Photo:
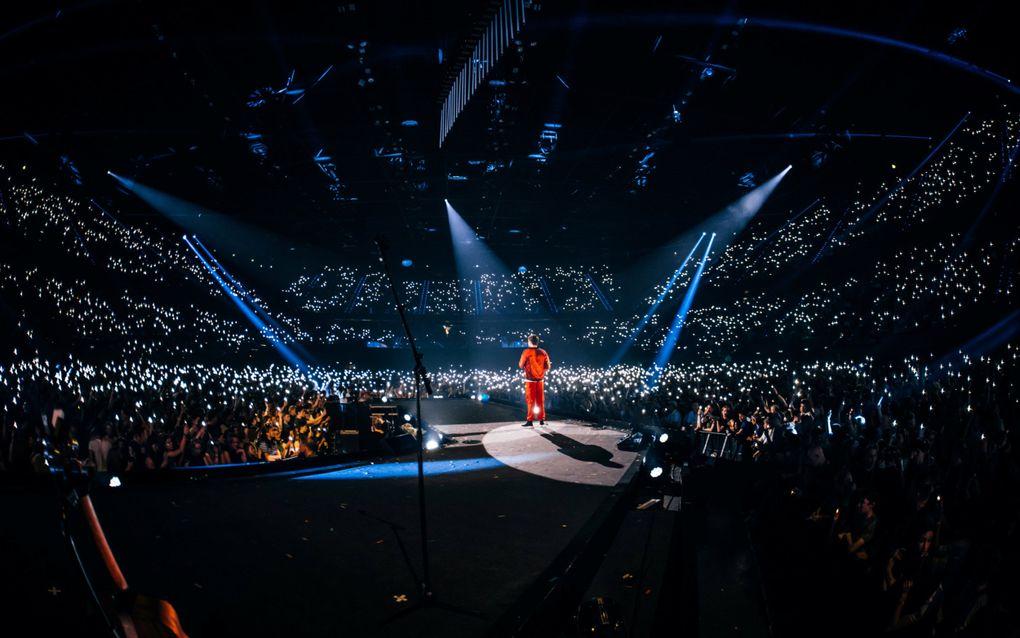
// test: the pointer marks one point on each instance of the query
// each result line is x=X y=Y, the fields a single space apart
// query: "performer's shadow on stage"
x=580 y=451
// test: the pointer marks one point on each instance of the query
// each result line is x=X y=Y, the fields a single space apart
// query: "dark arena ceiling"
x=661 y=108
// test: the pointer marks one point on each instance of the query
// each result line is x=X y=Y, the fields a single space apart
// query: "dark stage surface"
x=339 y=553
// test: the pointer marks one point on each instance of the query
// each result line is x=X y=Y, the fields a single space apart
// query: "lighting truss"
x=489 y=46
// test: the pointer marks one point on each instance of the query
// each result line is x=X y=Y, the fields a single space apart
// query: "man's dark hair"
x=533 y=340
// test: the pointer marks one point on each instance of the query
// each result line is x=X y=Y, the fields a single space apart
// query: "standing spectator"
x=100 y=446
x=859 y=536
x=138 y=458
x=269 y=447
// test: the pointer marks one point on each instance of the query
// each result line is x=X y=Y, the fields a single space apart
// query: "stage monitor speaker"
x=347 y=441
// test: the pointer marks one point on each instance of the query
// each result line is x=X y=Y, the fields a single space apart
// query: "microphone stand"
x=421 y=377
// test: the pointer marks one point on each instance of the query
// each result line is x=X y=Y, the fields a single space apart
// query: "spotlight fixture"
x=434 y=439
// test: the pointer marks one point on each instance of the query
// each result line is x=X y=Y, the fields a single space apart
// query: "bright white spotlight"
x=663 y=437
x=432 y=444
x=656 y=472
x=407 y=417
x=114 y=481
x=535 y=410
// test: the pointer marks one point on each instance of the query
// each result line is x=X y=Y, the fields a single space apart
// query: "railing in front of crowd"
x=720 y=445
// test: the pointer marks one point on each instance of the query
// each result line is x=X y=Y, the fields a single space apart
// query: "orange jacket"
x=534 y=362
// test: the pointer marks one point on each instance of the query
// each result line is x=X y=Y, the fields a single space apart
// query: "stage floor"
x=339 y=552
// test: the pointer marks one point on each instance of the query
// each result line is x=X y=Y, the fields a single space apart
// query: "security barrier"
x=720 y=445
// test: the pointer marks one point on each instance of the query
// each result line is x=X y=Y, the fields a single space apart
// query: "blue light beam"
x=681 y=316
x=255 y=305
x=260 y=325
x=472 y=256
x=618 y=356
x=196 y=219
x=729 y=222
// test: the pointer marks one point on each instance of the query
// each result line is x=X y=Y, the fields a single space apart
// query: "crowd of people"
x=898 y=495
x=136 y=427
x=901 y=479
x=919 y=285
x=140 y=290
x=571 y=289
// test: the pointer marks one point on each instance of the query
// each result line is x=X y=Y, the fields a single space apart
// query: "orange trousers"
x=534 y=395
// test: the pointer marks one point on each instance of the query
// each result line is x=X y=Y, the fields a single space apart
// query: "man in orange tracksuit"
x=534 y=361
